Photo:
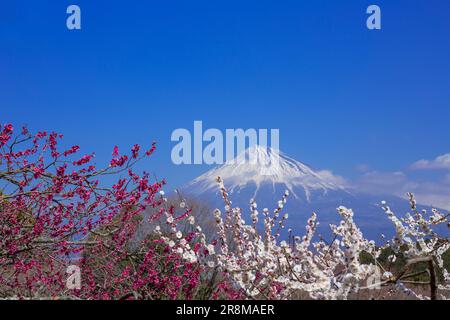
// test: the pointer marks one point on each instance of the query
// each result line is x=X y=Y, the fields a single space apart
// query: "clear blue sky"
x=341 y=95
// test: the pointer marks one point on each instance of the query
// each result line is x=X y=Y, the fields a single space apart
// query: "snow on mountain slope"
x=260 y=166
x=264 y=175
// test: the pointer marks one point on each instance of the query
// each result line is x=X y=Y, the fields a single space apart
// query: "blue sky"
x=343 y=97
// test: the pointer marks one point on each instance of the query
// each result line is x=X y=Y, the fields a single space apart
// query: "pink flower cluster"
x=56 y=212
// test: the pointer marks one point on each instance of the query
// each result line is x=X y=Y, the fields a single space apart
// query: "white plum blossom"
x=264 y=266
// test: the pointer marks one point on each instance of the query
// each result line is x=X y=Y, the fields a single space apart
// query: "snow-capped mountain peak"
x=261 y=166
x=264 y=174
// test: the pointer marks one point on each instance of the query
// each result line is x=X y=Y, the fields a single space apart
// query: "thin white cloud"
x=376 y=182
x=441 y=162
x=430 y=193
x=362 y=168
x=434 y=193
x=333 y=178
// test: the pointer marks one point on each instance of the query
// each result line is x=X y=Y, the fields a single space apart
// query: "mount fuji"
x=262 y=174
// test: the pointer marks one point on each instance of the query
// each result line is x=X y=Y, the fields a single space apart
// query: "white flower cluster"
x=263 y=266
x=175 y=239
x=416 y=239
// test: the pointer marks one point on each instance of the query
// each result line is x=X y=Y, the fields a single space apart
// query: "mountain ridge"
x=264 y=174
x=263 y=165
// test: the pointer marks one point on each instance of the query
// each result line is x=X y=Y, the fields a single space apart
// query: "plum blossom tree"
x=260 y=265
x=57 y=210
